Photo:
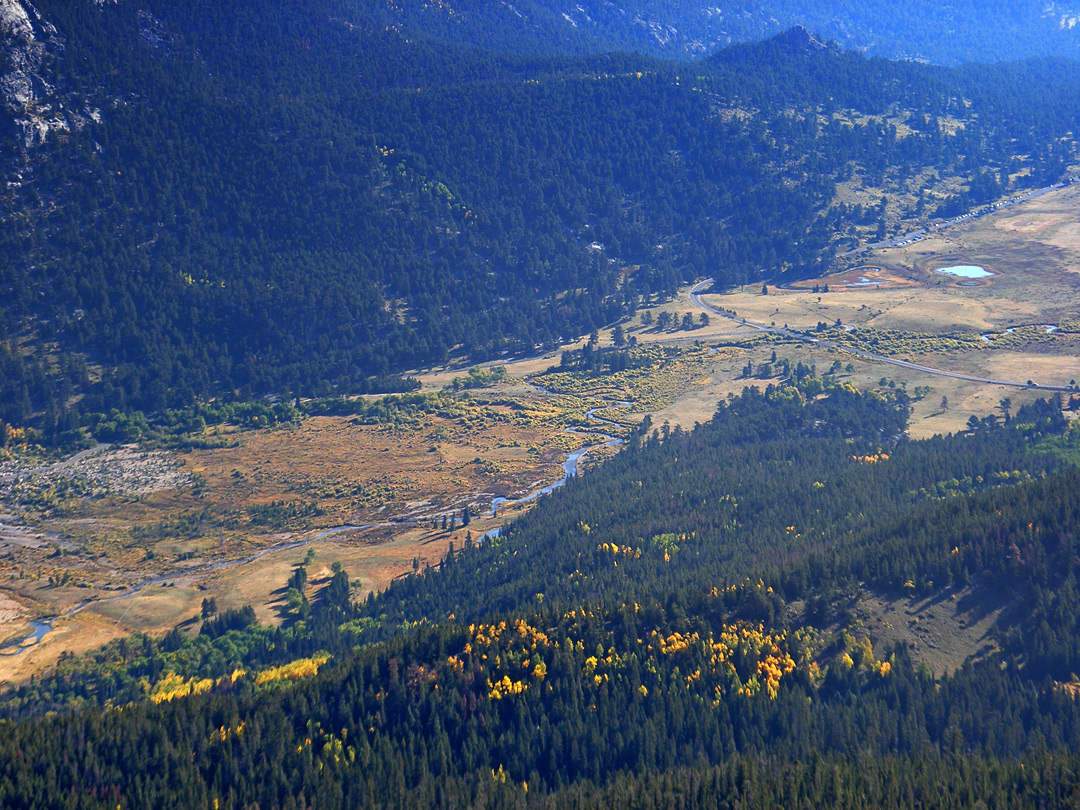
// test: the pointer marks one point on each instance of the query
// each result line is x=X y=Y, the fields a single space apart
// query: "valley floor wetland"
x=124 y=539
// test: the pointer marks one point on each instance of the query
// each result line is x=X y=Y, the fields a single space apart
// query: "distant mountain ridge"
x=309 y=197
x=34 y=104
x=941 y=33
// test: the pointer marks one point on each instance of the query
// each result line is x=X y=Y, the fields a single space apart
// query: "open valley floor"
x=125 y=539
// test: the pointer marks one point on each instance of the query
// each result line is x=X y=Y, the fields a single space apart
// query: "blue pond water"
x=23 y=644
x=965 y=271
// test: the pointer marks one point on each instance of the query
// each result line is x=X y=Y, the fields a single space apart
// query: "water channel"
x=40 y=627
x=570 y=469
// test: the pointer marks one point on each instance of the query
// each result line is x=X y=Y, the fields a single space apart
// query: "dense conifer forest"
x=299 y=199
x=316 y=198
x=687 y=645
x=942 y=33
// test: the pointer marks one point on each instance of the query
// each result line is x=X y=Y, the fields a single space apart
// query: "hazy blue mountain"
x=943 y=33
x=311 y=197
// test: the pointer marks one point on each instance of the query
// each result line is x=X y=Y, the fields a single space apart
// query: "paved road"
x=699 y=288
x=922 y=233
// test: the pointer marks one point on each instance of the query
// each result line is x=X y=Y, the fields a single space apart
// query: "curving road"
x=698 y=289
x=922 y=233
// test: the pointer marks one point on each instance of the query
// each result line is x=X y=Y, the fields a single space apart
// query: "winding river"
x=42 y=627
x=570 y=466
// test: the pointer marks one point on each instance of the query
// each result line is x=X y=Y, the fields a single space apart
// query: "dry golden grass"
x=347 y=469
x=154 y=608
x=1034 y=247
x=370 y=473
x=934 y=307
x=372 y=558
x=671 y=372
x=945 y=630
x=76 y=634
x=722 y=377
x=353 y=473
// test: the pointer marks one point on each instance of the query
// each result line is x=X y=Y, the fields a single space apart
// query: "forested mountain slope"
x=297 y=198
x=942 y=33
x=691 y=650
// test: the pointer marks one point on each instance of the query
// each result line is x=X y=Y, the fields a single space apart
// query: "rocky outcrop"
x=31 y=106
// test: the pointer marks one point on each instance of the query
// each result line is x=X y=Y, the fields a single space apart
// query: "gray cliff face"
x=31 y=106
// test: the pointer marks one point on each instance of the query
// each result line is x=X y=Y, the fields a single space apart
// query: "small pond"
x=965 y=271
x=40 y=629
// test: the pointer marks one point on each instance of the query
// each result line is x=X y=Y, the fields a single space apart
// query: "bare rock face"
x=31 y=108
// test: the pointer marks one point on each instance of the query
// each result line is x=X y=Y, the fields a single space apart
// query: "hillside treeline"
x=671 y=628
x=295 y=198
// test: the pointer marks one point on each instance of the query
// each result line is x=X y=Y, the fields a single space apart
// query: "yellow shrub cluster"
x=661 y=375
x=742 y=659
x=506 y=688
x=486 y=635
x=225 y=733
x=750 y=643
x=772 y=668
x=675 y=643
x=874 y=459
x=515 y=648
x=294 y=670
x=173 y=686
x=530 y=636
